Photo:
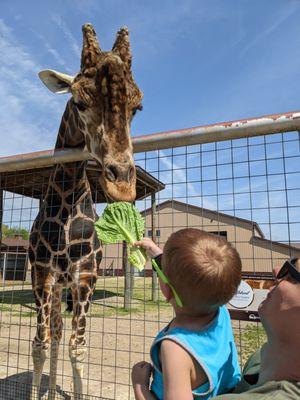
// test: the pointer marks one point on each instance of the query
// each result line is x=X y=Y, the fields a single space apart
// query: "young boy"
x=195 y=355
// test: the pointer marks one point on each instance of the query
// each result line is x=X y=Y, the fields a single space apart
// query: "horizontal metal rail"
x=265 y=125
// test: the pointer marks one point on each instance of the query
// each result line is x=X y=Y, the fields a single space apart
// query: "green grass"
x=108 y=298
x=249 y=339
x=108 y=301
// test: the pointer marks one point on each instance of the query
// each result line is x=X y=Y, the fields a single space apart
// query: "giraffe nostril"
x=122 y=173
x=131 y=172
x=111 y=173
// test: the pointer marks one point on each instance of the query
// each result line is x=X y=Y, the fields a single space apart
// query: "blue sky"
x=196 y=61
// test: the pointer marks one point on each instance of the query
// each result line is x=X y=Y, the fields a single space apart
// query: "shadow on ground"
x=18 y=387
x=25 y=297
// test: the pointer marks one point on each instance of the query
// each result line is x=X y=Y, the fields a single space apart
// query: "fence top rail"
x=265 y=125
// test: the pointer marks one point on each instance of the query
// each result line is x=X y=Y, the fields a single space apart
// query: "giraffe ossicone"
x=64 y=250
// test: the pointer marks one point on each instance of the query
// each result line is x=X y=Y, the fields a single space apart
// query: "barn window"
x=220 y=233
x=157 y=233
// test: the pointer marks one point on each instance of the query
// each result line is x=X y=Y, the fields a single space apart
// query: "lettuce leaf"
x=123 y=221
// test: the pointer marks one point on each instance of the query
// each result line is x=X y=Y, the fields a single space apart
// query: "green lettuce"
x=122 y=221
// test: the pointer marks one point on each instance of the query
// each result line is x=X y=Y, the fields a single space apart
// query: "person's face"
x=280 y=311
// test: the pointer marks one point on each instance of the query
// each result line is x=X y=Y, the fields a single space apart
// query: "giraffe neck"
x=70 y=133
x=69 y=180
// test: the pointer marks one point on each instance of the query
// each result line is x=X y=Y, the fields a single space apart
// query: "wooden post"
x=128 y=270
x=132 y=270
x=1 y=220
x=4 y=268
x=127 y=278
x=154 y=295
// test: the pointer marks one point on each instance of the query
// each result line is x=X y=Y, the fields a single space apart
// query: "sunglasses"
x=289 y=268
x=165 y=280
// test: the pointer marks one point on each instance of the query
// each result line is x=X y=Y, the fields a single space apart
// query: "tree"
x=14 y=231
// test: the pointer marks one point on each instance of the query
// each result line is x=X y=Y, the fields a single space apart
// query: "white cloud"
x=28 y=112
x=280 y=19
x=179 y=174
x=54 y=53
x=68 y=34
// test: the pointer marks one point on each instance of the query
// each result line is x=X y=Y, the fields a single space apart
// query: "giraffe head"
x=106 y=97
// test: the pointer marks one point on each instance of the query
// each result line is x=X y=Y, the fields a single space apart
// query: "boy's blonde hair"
x=204 y=268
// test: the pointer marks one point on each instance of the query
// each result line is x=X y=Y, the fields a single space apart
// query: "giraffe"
x=63 y=248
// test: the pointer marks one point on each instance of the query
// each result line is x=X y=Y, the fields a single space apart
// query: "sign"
x=243 y=297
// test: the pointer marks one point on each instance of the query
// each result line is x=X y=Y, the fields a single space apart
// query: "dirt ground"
x=115 y=343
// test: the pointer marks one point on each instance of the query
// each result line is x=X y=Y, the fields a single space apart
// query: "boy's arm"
x=142 y=392
x=177 y=368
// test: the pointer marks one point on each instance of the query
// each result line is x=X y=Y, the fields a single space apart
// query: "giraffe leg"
x=39 y=355
x=56 y=325
x=77 y=345
x=42 y=339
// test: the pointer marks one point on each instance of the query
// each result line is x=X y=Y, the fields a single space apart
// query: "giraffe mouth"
x=113 y=188
x=118 y=190
x=108 y=199
x=118 y=181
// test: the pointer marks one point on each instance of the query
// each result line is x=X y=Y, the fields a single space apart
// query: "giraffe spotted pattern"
x=64 y=250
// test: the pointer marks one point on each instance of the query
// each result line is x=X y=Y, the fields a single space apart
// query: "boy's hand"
x=152 y=250
x=140 y=374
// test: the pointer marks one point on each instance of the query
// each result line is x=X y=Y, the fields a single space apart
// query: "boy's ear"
x=56 y=81
x=169 y=294
x=166 y=291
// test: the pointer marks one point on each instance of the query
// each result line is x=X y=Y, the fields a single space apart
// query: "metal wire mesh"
x=17 y=390
x=246 y=190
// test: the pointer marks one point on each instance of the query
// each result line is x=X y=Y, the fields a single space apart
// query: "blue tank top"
x=212 y=347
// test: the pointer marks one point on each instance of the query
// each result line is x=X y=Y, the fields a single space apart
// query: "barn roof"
x=14 y=242
x=216 y=215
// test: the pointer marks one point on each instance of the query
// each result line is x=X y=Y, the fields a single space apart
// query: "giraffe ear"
x=56 y=81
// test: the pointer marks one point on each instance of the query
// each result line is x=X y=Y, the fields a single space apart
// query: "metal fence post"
x=154 y=294
x=1 y=218
x=127 y=278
